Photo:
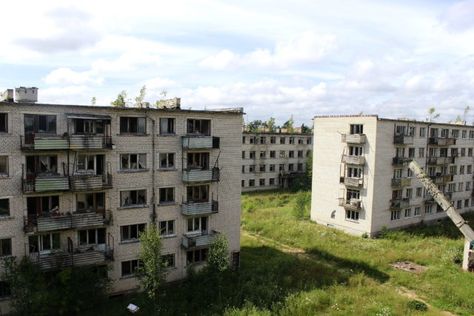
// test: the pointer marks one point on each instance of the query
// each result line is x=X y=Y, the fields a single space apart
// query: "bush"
x=417 y=306
x=302 y=205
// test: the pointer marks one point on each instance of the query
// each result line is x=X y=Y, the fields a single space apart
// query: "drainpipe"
x=153 y=194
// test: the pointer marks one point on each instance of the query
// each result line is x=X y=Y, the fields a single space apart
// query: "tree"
x=152 y=271
x=305 y=129
x=302 y=204
x=93 y=101
x=288 y=125
x=141 y=97
x=159 y=103
x=121 y=100
x=218 y=259
x=432 y=115
x=254 y=126
x=270 y=124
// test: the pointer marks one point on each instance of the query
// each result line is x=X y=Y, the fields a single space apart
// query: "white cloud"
x=459 y=16
x=66 y=76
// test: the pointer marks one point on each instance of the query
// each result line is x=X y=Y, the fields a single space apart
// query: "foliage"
x=288 y=125
x=302 y=205
x=305 y=129
x=121 y=100
x=254 y=126
x=152 y=272
x=141 y=97
x=66 y=292
x=270 y=125
x=417 y=305
x=93 y=101
x=159 y=103
x=218 y=259
x=432 y=115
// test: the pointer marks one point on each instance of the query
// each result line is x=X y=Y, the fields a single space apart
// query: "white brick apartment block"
x=361 y=180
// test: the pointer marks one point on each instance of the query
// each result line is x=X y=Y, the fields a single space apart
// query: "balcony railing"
x=439 y=160
x=199 y=208
x=198 y=241
x=77 y=257
x=350 y=204
x=201 y=175
x=43 y=142
x=91 y=182
x=403 y=139
x=200 y=142
x=401 y=182
x=442 y=178
x=50 y=222
x=442 y=141
x=353 y=160
x=399 y=203
x=45 y=183
x=397 y=161
x=91 y=142
x=354 y=138
x=352 y=182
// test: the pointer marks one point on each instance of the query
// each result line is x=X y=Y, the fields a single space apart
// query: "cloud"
x=459 y=16
x=66 y=76
x=308 y=47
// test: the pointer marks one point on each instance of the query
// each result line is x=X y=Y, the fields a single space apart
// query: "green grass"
x=338 y=275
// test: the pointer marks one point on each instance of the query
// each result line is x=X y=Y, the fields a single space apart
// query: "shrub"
x=417 y=305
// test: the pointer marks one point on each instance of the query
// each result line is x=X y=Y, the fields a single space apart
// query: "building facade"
x=361 y=180
x=79 y=183
x=273 y=160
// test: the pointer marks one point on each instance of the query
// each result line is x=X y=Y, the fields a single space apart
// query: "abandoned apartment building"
x=361 y=180
x=272 y=160
x=79 y=183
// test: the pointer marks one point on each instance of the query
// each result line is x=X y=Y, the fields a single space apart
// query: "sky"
x=273 y=58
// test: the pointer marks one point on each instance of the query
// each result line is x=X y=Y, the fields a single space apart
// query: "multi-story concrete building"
x=361 y=181
x=273 y=160
x=79 y=183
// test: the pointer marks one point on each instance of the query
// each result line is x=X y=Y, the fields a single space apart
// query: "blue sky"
x=274 y=58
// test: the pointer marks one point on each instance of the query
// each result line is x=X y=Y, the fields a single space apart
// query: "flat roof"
x=400 y=120
x=236 y=110
x=277 y=133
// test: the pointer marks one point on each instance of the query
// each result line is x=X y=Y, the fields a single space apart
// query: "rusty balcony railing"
x=54 y=222
x=403 y=139
x=90 y=182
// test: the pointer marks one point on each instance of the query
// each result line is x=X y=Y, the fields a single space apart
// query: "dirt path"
x=302 y=254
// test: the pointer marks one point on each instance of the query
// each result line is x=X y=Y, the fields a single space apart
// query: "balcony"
x=201 y=175
x=398 y=161
x=45 y=183
x=199 y=208
x=50 y=222
x=442 y=141
x=403 y=139
x=353 y=160
x=202 y=240
x=200 y=142
x=401 y=182
x=351 y=204
x=91 y=182
x=354 y=138
x=77 y=257
x=439 y=160
x=90 y=142
x=442 y=178
x=352 y=182
x=43 y=142
x=399 y=203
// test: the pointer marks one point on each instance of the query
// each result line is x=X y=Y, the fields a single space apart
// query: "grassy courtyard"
x=291 y=266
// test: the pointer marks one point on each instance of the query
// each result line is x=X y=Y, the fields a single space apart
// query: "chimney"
x=26 y=95
x=7 y=96
x=174 y=103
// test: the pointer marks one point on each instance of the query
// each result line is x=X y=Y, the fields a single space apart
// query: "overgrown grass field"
x=291 y=266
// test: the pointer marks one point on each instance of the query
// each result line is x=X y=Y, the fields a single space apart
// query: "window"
x=417 y=211
x=252 y=140
x=262 y=168
x=281 y=167
x=434 y=132
x=394 y=215
x=291 y=140
x=41 y=164
x=130 y=267
x=409 y=173
x=85 y=163
x=354 y=172
x=243 y=139
x=251 y=183
x=357 y=129
x=412 y=130
x=291 y=154
x=453 y=170
x=408 y=212
x=409 y=193
x=459 y=204
x=5 y=290
x=133 y=125
x=272 y=168
x=419 y=192
x=89 y=237
x=308 y=141
x=469 y=169
x=282 y=154
x=272 y=154
x=243 y=154
x=166 y=195
x=251 y=168
x=461 y=169
x=199 y=127
x=400 y=130
x=352 y=194
x=411 y=152
x=464 y=133
x=444 y=132
x=282 y=140
x=4 y=165
x=428 y=209
x=167 y=126
x=355 y=151
x=469 y=152
x=272 y=181
x=166 y=228
x=455 y=133
x=468 y=186
x=44 y=243
x=463 y=152
x=197 y=193
x=300 y=154
x=299 y=167
x=42 y=205
x=421 y=152
x=252 y=155
x=131 y=232
x=300 y=141
x=466 y=203
x=242 y=183
x=40 y=124
x=397 y=173
x=5 y=247
x=471 y=134
x=243 y=169
x=460 y=186
x=291 y=167
x=87 y=202
x=88 y=127
x=4 y=207
x=197 y=224
x=133 y=198
x=352 y=215
x=272 y=140
x=263 y=140
x=3 y=123
x=196 y=256
x=263 y=154
x=132 y=161
x=261 y=182
x=167 y=161
x=168 y=260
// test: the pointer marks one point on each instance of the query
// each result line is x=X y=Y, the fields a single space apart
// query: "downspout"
x=153 y=171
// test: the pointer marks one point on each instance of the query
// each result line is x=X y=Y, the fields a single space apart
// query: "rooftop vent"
x=7 y=96
x=174 y=103
x=26 y=95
